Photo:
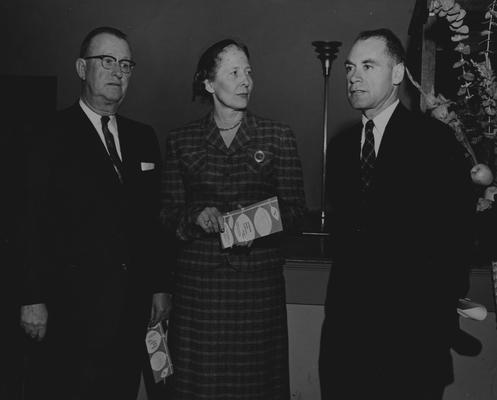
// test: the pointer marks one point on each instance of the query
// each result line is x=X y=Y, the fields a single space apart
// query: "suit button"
x=124 y=266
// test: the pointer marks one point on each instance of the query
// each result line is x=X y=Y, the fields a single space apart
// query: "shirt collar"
x=381 y=120
x=96 y=118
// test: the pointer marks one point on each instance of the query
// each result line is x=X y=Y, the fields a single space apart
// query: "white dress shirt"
x=97 y=123
x=380 y=123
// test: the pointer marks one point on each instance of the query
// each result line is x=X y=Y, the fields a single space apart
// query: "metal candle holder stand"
x=327 y=52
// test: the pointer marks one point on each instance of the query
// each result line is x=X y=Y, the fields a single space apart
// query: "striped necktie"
x=111 y=147
x=368 y=156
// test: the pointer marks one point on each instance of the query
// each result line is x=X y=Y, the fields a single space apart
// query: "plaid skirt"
x=228 y=336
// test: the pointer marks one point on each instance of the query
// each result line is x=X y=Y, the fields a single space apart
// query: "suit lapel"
x=394 y=132
x=245 y=132
x=90 y=147
x=351 y=154
x=214 y=139
x=394 y=152
x=125 y=139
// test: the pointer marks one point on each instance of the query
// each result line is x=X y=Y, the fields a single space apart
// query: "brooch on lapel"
x=259 y=156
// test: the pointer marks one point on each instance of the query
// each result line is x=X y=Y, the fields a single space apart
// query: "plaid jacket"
x=200 y=171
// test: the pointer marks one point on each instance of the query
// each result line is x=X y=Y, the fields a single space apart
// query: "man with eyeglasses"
x=94 y=269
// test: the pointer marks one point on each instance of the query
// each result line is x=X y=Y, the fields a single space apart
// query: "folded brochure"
x=160 y=359
x=251 y=222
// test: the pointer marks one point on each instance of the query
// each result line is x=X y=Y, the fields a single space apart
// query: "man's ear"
x=398 y=73
x=81 y=68
x=208 y=86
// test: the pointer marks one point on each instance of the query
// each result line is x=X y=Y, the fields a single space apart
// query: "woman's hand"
x=210 y=220
x=244 y=244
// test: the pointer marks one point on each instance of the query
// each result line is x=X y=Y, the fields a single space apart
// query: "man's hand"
x=34 y=319
x=161 y=307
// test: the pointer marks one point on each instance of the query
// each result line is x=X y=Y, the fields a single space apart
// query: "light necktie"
x=111 y=147
x=368 y=156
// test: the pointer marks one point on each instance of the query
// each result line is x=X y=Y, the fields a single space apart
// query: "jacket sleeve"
x=177 y=217
x=161 y=249
x=37 y=267
x=289 y=182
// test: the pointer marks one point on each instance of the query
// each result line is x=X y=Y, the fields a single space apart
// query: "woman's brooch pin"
x=259 y=156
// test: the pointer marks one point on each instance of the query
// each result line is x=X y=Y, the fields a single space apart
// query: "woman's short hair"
x=208 y=65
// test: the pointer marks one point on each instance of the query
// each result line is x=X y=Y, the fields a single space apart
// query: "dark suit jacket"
x=95 y=254
x=400 y=266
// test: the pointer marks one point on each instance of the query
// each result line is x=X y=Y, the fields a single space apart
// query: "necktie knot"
x=369 y=125
x=105 y=120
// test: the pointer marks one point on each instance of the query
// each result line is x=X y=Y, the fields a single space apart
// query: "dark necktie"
x=111 y=147
x=368 y=156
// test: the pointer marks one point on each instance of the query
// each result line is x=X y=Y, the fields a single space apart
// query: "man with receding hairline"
x=401 y=201
x=94 y=268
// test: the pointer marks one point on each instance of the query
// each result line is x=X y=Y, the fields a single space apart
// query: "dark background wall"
x=167 y=36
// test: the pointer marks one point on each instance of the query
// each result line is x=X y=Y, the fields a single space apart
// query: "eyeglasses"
x=109 y=62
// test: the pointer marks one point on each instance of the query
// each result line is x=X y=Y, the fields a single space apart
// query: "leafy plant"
x=472 y=114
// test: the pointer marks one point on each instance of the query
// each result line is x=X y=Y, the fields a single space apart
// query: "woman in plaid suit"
x=228 y=332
